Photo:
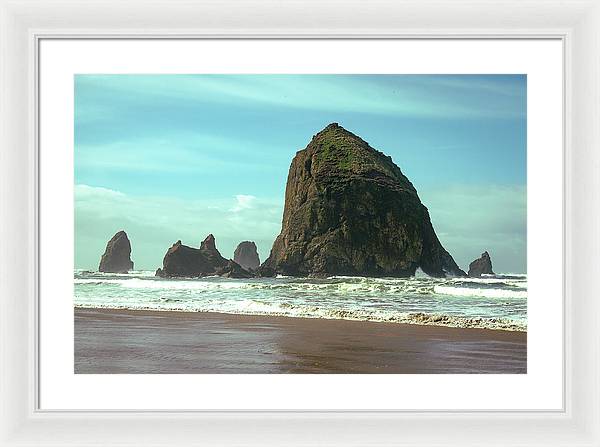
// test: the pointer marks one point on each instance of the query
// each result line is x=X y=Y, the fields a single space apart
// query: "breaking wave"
x=490 y=293
x=490 y=302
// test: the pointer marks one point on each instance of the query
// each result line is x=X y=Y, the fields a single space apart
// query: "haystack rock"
x=246 y=255
x=117 y=256
x=481 y=266
x=184 y=261
x=349 y=210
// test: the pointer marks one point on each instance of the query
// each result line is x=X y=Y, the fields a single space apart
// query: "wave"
x=137 y=283
x=252 y=307
x=490 y=280
x=132 y=273
x=219 y=284
x=489 y=302
x=344 y=286
x=482 y=292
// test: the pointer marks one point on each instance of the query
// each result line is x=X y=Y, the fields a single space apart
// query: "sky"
x=176 y=157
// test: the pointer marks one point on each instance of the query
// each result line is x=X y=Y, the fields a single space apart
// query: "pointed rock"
x=246 y=255
x=117 y=256
x=481 y=266
x=349 y=210
x=208 y=243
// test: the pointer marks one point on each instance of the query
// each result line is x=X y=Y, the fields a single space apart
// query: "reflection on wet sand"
x=118 y=341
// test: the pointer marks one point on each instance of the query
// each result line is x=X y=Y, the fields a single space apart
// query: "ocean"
x=493 y=302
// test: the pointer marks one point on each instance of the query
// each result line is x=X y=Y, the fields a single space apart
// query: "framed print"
x=332 y=294
x=309 y=231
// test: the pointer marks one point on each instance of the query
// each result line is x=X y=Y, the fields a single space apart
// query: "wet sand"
x=146 y=342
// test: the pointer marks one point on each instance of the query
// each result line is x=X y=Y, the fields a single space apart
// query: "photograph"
x=300 y=224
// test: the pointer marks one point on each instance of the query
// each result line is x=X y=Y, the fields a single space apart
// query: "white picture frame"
x=23 y=24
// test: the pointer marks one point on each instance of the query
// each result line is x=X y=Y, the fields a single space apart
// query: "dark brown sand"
x=119 y=341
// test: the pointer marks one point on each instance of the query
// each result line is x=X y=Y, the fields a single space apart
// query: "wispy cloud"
x=84 y=193
x=182 y=152
x=244 y=202
x=511 y=86
x=407 y=96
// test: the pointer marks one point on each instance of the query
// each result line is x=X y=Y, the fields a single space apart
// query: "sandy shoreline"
x=146 y=342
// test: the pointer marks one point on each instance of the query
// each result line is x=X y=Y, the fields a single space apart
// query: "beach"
x=115 y=341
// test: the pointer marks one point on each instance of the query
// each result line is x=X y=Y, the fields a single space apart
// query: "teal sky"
x=168 y=157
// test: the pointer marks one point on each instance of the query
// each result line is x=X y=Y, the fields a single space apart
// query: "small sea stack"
x=117 y=256
x=481 y=266
x=246 y=255
x=188 y=262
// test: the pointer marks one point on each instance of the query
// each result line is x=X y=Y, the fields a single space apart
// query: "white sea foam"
x=493 y=302
x=488 y=280
x=489 y=293
x=274 y=309
x=221 y=284
x=420 y=273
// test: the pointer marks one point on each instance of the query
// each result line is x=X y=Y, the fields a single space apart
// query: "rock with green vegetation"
x=349 y=210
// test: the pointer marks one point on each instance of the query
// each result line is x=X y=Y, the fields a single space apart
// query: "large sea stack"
x=481 y=266
x=183 y=261
x=246 y=255
x=349 y=210
x=117 y=256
